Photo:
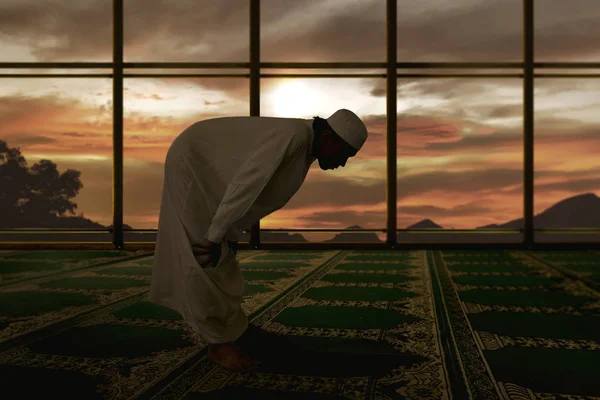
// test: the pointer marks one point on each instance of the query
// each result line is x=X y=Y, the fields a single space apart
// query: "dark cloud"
x=463 y=210
x=487 y=30
x=553 y=127
x=450 y=88
x=501 y=111
x=74 y=134
x=567 y=31
x=505 y=140
x=346 y=192
x=349 y=34
x=407 y=215
x=30 y=140
x=149 y=139
x=463 y=182
x=84 y=134
x=16 y=108
x=425 y=130
x=575 y=185
x=82 y=33
x=213 y=103
x=379 y=90
x=344 y=219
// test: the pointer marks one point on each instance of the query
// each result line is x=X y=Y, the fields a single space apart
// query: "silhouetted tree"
x=38 y=196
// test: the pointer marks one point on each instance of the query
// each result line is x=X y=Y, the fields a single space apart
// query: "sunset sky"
x=460 y=141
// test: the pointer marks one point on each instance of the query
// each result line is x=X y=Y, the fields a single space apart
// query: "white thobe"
x=221 y=176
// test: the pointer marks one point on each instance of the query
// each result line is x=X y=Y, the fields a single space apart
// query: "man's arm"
x=249 y=181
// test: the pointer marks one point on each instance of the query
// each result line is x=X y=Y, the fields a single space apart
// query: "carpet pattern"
x=357 y=325
x=525 y=330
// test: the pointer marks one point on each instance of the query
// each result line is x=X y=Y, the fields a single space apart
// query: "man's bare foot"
x=230 y=356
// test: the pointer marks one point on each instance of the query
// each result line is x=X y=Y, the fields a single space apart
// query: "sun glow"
x=293 y=100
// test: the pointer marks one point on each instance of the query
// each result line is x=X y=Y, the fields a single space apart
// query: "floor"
x=358 y=325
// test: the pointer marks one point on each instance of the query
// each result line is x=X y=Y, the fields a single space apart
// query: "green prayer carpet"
x=351 y=325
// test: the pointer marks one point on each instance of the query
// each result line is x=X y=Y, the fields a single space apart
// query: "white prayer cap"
x=349 y=127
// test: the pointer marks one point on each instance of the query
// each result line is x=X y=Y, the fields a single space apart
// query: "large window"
x=567 y=166
x=460 y=158
x=56 y=155
x=460 y=162
x=61 y=127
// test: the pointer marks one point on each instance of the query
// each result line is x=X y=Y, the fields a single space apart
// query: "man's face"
x=334 y=152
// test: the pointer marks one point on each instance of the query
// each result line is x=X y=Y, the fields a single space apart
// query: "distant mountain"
x=125 y=226
x=275 y=237
x=491 y=226
x=425 y=224
x=581 y=211
x=369 y=237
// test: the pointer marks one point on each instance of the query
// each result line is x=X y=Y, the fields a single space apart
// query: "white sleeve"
x=249 y=182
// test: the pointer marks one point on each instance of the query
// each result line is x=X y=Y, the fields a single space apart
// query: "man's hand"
x=204 y=248
x=210 y=250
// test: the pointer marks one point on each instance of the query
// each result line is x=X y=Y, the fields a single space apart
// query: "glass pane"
x=56 y=31
x=460 y=157
x=63 y=128
x=322 y=31
x=460 y=30
x=353 y=195
x=186 y=31
x=156 y=111
x=566 y=31
x=567 y=167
